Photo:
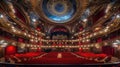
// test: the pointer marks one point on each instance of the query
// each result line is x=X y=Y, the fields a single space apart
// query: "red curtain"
x=9 y=50
x=20 y=40
x=19 y=15
x=99 y=40
x=97 y=16
x=108 y=50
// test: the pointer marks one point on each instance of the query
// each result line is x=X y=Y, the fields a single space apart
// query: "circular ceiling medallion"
x=59 y=7
x=59 y=11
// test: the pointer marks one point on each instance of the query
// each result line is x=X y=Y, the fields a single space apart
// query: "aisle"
x=56 y=54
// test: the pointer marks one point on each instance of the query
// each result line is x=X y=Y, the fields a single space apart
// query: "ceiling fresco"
x=59 y=11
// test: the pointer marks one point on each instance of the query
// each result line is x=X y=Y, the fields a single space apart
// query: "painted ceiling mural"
x=59 y=11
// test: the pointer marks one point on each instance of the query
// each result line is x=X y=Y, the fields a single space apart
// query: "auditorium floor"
x=59 y=58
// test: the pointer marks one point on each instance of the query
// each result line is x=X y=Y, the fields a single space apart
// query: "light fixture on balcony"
x=34 y=20
x=1 y=16
x=118 y=16
x=85 y=20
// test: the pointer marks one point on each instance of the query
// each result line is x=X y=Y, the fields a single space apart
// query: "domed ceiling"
x=59 y=11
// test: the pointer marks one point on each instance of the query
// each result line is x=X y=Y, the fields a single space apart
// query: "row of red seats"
x=51 y=58
x=59 y=61
x=24 y=56
x=91 y=55
x=102 y=58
